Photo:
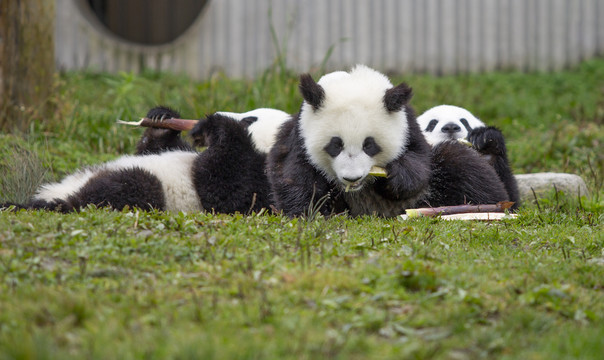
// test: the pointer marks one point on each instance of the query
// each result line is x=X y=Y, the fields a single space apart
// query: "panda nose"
x=351 y=180
x=450 y=128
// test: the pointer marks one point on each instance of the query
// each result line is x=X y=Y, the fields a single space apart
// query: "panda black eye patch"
x=465 y=124
x=431 y=125
x=370 y=147
x=335 y=146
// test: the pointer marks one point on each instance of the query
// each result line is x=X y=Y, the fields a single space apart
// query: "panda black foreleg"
x=156 y=141
x=408 y=176
x=461 y=175
x=489 y=141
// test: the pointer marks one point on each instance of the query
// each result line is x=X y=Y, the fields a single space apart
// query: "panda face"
x=350 y=122
x=447 y=122
x=351 y=164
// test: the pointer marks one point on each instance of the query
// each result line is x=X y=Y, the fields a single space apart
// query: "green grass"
x=107 y=284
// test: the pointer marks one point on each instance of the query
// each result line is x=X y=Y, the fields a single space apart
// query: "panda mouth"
x=354 y=186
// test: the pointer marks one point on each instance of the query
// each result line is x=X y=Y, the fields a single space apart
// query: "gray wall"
x=435 y=36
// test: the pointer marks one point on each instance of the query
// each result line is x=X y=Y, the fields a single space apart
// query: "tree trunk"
x=27 y=63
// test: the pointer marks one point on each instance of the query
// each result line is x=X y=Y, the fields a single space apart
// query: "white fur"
x=173 y=169
x=353 y=109
x=446 y=114
x=264 y=130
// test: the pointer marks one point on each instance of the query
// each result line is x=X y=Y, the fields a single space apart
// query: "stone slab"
x=545 y=183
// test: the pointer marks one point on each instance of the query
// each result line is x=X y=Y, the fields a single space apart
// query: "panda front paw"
x=162 y=112
x=487 y=140
x=155 y=141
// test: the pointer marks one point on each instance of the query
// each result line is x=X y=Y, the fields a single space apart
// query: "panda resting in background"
x=352 y=121
x=447 y=122
x=168 y=174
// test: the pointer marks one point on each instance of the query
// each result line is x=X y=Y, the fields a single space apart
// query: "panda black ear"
x=397 y=97
x=312 y=92
x=249 y=120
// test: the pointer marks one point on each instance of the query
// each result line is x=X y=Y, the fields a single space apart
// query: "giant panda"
x=262 y=124
x=447 y=122
x=352 y=121
x=168 y=174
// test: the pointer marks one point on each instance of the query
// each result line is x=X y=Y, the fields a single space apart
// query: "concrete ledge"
x=544 y=183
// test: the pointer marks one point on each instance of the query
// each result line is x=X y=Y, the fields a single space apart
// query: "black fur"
x=397 y=97
x=312 y=92
x=229 y=176
x=489 y=141
x=461 y=176
x=156 y=141
x=133 y=187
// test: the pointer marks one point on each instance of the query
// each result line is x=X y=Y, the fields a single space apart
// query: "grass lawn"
x=132 y=284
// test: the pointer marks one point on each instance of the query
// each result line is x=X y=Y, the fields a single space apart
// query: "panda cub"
x=262 y=124
x=352 y=121
x=167 y=174
x=447 y=122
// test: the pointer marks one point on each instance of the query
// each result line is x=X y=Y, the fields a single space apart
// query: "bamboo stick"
x=459 y=209
x=171 y=123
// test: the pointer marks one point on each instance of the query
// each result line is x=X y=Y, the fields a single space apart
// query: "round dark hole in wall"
x=147 y=22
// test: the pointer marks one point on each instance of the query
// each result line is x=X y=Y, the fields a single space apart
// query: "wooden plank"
x=573 y=13
x=503 y=34
x=419 y=23
x=542 y=35
x=405 y=35
x=431 y=25
x=462 y=31
x=589 y=29
x=448 y=38
x=558 y=28
x=475 y=40
x=488 y=9
x=517 y=33
x=599 y=15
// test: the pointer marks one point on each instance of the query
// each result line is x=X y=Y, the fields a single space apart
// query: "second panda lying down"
x=168 y=174
x=348 y=123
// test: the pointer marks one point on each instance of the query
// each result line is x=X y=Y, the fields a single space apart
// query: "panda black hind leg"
x=156 y=141
x=489 y=141
x=133 y=187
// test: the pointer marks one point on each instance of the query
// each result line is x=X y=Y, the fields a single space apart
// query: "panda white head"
x=351 y=121
x=447 y=122
x=263 y=125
